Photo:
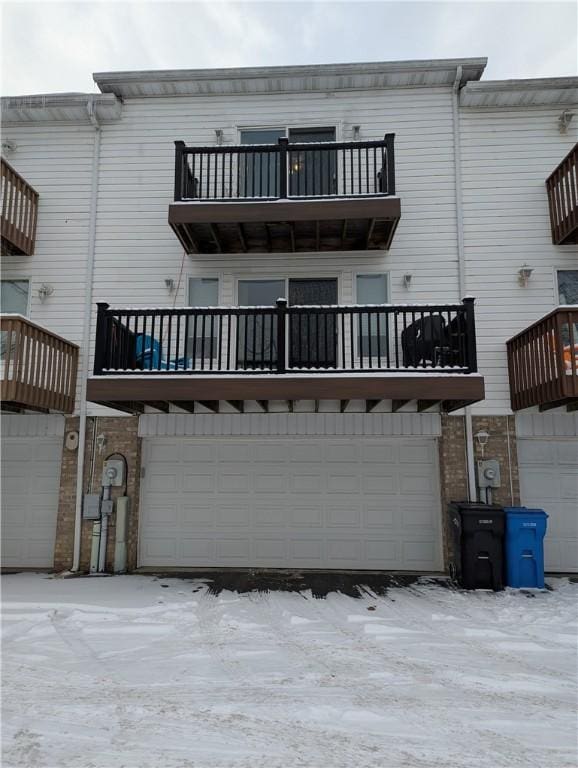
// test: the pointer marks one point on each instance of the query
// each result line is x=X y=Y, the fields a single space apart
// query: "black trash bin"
x=477 y=560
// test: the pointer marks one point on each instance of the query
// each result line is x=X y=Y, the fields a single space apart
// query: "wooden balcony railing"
x=543 y=362
x=286 y=340
x=37 y=368
x=19 y=212
x=285 y=170
x=562 y=186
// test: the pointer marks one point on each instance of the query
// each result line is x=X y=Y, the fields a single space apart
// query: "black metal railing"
x=285 y=170
x=282 y=339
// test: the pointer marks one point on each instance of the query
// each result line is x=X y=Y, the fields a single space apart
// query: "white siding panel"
x=506 y=157
x=547 y=424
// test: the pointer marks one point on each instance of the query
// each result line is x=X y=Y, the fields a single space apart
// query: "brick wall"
x=120 y=436
x=501 y=446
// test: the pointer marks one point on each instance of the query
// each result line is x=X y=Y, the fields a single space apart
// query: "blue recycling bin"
x=525 y=531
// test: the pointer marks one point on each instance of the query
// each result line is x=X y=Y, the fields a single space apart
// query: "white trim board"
x=290 y=424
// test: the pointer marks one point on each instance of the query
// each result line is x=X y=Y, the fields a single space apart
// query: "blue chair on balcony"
x=148 y=356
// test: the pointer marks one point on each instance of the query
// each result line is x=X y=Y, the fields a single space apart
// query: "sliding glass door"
x=313 y=335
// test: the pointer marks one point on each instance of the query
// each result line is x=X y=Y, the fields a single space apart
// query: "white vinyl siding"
x=506 y=157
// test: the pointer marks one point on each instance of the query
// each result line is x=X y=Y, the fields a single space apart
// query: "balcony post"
x=283 y=179
x=471 y=355
x=179 y=157
x=100 y=350
x=281 y=332
x=389 y=153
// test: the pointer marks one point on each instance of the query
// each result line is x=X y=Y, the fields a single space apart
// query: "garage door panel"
x=294 y=502
x=305 y=516
x=549 y=481
x=29 y=504
x=193 y=549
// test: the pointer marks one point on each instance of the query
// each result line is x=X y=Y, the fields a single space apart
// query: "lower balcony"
x=189 y=356
x=543 y=362
x=37 y=368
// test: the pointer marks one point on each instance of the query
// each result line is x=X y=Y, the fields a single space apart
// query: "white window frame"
x=23 y=279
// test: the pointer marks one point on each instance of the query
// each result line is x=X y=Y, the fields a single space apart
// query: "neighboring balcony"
x=184 y=356
x=543 y=362
x=37 y=368
x=562 y=186
x=19 y=212
x=285 y=197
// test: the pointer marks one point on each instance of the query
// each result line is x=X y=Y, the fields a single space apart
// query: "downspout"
x=470 y=458
x=86 y=333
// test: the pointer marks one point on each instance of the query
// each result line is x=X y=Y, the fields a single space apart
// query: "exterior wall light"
x=482 y=437
x=524 y=274
x=356 y=132
x=45 y=291
x=407 y=280
x=564 y=121
x=219 y=136
x=170 y=284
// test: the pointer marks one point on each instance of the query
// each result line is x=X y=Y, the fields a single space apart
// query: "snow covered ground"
x=124 y=671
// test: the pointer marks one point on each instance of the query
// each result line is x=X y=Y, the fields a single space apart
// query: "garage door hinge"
x=142 y=472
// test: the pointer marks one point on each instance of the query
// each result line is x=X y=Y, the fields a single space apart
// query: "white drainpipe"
x=86 y=334
x=470 y=458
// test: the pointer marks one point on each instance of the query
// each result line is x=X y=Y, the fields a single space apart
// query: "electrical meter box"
x=489 y=474
x=113 y=472
x=91 y=506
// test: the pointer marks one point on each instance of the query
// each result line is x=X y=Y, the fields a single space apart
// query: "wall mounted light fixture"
x=407 y=280
x=564 y=121
x=219 y=135
x=482 y=437
x=45 y=291
x=170 y=284
x=356 y=130
x=524 y=274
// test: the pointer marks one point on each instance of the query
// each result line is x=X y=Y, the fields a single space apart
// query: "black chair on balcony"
x=431 y=341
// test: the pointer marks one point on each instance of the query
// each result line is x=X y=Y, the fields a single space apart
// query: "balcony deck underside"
x=131 y=393
x=285 y=226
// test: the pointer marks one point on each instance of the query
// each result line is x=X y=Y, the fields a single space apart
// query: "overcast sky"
x=55 y=46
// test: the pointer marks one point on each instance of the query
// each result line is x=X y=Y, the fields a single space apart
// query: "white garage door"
x=302 y=502
x=30 y=486
x=549 y=481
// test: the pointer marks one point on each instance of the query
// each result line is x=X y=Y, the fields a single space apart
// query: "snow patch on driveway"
x=124 y=672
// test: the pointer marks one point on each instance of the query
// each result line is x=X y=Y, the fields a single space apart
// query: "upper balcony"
x=37 y=368
x=543 y=362
x=185 y=356
x=19 y=212
x=562 y=186
x=285 y=197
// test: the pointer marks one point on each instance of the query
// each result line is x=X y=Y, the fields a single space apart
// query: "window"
x=373 y=289
x=311 y=172
x=567 y=286
x=257 y=336
x=259 y=171
x=14 y=296
x=203 y=329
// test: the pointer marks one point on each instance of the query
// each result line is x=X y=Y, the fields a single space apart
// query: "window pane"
x=202 y=343
x=568 y=286
x=14 y=297
x=257 y=336
x=260 y=293
x=262 y=135
x=259 y=171
x=372 y=289
x=203 y=292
